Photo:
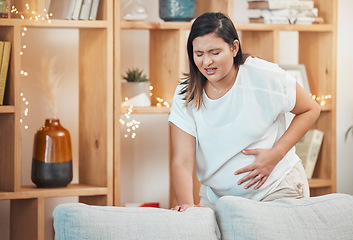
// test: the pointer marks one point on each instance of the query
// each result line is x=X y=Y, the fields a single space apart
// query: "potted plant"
x=349 y=131
x=136 y=89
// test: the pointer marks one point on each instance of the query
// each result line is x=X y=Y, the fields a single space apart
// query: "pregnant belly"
x=224 y=183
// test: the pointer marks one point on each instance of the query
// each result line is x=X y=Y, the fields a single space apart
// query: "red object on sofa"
x=152 y=204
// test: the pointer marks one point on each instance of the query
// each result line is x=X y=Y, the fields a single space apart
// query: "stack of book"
x=74 y=9
x=284 y=12
x=5 y=50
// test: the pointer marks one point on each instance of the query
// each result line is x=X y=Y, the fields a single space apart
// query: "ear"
x=235 y=47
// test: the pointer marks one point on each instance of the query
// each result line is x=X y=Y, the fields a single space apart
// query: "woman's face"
x=214 y=57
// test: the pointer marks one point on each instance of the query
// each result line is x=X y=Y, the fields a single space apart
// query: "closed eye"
x=198 y=53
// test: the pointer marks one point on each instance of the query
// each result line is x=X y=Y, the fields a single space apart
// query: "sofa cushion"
x=324 y=217
x=80 y=221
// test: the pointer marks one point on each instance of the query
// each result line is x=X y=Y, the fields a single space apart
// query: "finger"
x=200 y=205
x=183 y=207
x=253 y=181
x=249 y=151
x=248 y=168
x=263 y=180
x=247 y=177
x=176 y=208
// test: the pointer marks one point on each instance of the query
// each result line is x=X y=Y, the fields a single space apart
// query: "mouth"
x=210 y=70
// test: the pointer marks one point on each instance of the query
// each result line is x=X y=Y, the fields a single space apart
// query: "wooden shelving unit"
x=317 y=50
x=100 y=94
x=95 y=121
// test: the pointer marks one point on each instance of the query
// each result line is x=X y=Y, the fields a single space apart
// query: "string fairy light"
x=129 y=123
x=132 y=125
x=26 y=110
x=33 y=15
x=36 y=17
x=323 y=99
x=160 y=101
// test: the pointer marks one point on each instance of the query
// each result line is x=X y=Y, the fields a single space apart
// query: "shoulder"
x=181 y=89
x=253 y=63
x=263 y=75
x=180 y=92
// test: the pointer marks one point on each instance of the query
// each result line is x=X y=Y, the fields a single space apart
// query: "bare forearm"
x=182 y=184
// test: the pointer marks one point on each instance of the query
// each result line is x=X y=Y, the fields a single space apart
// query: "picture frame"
x=299 y=73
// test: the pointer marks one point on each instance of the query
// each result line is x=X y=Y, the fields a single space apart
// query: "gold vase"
x=52 y=156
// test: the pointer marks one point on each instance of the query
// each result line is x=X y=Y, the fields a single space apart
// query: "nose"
x=207 y=60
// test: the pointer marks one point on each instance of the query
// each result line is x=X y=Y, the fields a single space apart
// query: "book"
x=59 y=8
x=4 y=69
x=281 y=4
x=77 y=10
x=1 y=51
x=85 y=9
x=289 y=16
x=284 y=20
x=71 y=9
x=308 y=148
x=290 y=13
x=274 y=20
x=94 y=10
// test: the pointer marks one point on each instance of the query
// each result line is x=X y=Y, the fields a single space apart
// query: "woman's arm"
x=183 y=158
x=306 y=112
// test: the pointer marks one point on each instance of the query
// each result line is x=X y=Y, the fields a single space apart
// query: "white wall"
x=145 y=174
x=344 y=96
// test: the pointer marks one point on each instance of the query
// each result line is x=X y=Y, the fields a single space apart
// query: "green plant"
x=350 y=129
x=135 y=75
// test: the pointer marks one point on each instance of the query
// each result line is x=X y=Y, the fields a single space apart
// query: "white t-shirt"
x=250 y=115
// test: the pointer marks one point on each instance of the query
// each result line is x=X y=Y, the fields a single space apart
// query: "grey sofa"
x=324 y=217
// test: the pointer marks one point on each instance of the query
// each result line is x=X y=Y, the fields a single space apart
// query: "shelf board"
x=71 y=190
x=7 y=109
x=284 y=27
x=317 y=183
x=146 y=110
x=55 y=23
x=239 y=26
x=155 y=25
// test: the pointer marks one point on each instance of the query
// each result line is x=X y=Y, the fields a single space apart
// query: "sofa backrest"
x=324 y=217
x=80 y=221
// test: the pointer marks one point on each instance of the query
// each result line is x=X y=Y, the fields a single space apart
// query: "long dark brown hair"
x=223 y=27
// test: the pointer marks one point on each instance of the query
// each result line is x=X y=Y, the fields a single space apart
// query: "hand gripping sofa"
x=324 y=217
